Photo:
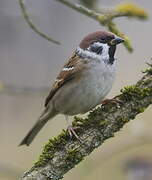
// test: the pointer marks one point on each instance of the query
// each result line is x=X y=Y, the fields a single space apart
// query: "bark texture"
x=62 y=153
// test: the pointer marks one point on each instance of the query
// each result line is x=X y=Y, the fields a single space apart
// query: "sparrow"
x=84 y=81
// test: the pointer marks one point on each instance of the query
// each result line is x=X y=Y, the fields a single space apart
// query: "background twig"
x=32 y=26
x=105 y=18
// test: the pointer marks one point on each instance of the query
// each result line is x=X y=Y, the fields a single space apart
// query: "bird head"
x=101 y=45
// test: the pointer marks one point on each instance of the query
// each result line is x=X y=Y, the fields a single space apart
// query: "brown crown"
x=95 y=37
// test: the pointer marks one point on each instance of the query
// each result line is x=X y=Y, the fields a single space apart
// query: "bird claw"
x=114 y=101
x=71 y=131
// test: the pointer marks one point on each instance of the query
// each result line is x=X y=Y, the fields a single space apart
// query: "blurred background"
x=30 y=63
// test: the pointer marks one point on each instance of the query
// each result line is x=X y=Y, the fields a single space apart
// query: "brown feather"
x=95 y=37
x=75 y=63
x=66 y=76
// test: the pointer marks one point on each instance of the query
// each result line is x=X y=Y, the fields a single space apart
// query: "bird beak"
x=116 y=41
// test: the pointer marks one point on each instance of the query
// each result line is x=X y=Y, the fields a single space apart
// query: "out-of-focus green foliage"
x=132 y=10
x=127 y=43
x=129 y=10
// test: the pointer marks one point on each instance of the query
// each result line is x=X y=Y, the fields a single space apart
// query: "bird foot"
x=71 y=131
x=114 y=101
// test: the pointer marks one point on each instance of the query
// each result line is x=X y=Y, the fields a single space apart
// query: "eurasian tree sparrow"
x=83 y=82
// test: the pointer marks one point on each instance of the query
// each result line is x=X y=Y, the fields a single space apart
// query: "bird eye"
x=96 y=49
x=103 y=40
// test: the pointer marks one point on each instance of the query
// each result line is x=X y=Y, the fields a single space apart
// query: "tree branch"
x=104 y=17
x=61 y=154
x=32 y=26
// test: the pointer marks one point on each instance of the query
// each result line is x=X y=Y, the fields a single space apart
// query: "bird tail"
x=46 y=115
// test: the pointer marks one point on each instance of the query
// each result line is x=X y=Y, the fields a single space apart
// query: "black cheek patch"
x=96 y=49
x=111 y=53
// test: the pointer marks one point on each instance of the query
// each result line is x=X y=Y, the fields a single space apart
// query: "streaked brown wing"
x=70 y=71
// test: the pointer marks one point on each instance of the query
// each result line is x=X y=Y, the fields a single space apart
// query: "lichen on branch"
x=61 y=154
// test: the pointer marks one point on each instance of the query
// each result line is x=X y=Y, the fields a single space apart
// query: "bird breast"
x=80 y=96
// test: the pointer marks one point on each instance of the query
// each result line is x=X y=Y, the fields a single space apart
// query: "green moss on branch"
x=62 y=153
x=148 y=71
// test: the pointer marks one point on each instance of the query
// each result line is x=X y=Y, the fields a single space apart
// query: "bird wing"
x=71 y=70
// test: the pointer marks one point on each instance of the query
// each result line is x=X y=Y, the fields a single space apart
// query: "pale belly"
x=86 y=93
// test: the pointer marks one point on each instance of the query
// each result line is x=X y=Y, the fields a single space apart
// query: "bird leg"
x=71 y=129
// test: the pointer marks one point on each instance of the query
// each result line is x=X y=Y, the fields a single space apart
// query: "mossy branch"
x=62 y=153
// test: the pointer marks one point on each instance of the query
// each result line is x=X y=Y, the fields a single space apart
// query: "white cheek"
x=104 y=56
x=105 y=51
